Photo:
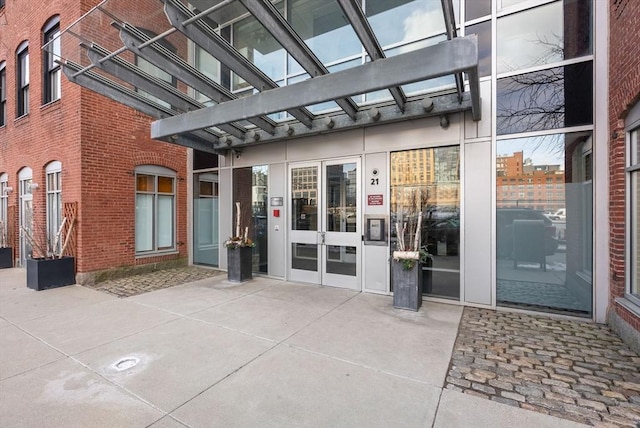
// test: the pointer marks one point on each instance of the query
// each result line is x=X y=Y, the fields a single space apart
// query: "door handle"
x=321 y=235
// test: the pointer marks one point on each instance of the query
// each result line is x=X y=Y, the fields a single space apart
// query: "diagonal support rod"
x=160 y=89
x=199 y=139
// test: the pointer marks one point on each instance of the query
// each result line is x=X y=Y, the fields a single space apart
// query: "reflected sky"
x=542 y=150
x=529 y=38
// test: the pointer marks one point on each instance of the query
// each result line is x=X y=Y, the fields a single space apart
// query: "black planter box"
x=6 y=257
x=407 y=286
x=50 y=273
x=239 y=264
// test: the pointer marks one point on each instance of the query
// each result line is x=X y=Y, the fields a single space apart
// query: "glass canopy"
x=217 y=74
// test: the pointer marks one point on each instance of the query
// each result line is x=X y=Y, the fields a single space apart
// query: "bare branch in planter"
x=3 y=235
x=33 y=242
x=416 y=242
x=58 y=234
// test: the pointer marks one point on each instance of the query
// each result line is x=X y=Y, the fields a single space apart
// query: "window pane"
x=476 y=9
x=304 y=257
x=341 y=195
x=544 y=239
x=144 y=223
x=207 y=64
x=250 y=189
x=428 y=181
x=165 y=185
x=549 y=99
x=341 y=260
x=304 y=198
x=165 y=221
x=256 y=44
x=542 y=35
x=483 y=31
x=145 y=183
x=405 y=21
x=323 y=27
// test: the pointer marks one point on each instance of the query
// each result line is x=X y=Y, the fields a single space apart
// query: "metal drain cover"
x=125 y=363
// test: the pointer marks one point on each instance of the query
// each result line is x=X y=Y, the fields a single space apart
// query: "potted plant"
x=406 y=265
x=239 y=253
x=47 y=266
x=6 y=252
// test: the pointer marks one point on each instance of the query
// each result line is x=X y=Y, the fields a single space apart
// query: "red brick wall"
x=98 y=141
x=624 y=91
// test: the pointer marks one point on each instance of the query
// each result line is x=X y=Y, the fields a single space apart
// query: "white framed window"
x=22 y=79
x=50 y=68
x=632 y=123
x=54 y=204
x=155 y=209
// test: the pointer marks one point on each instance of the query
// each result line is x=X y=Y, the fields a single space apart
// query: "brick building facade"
x=98 y=142
x=624 y=94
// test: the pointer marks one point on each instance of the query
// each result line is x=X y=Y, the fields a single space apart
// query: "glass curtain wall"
x=428 y=181
x=250 y=190
x=544 y=191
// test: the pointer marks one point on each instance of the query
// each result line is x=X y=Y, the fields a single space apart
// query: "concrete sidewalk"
x=211 y=353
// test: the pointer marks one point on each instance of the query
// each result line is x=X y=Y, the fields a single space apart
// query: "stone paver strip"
x=138 y=284
x=574 y=370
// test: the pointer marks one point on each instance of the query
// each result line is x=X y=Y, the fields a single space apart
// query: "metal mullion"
x=222 y=50
x=267 y=14
x=360 y=24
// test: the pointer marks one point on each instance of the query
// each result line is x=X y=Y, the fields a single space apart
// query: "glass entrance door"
x=324 y=223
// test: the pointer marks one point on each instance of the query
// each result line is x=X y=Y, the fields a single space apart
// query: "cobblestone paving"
x=574 y=370
x=138 y=284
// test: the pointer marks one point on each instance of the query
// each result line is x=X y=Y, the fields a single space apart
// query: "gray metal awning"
x=118 y=47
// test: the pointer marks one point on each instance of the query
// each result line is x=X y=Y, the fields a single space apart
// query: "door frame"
x=321 y=237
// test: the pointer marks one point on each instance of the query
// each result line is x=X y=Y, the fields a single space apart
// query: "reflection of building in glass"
x=259 y=191
x=520 y=183
x=434 y=172
x=304 y=184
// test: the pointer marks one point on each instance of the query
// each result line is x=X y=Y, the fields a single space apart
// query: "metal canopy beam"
x=454 y=56
x=372 y=116
x=205 y=37
x=267 y=15
x=199 y=139
x=127 y=72
x=163 y=58
x=450 y=27
x=360 y=24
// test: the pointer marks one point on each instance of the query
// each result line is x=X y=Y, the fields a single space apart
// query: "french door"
x=324 y=223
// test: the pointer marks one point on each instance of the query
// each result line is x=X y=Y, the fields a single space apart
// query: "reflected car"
x=504 y=230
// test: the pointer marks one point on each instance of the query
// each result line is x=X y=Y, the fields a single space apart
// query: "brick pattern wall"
x=624 y=91
x=98 y=141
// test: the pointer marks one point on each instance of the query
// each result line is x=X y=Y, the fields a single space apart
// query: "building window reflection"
x=544 y=238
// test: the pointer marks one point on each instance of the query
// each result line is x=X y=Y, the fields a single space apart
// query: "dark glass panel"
x=549 y=99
